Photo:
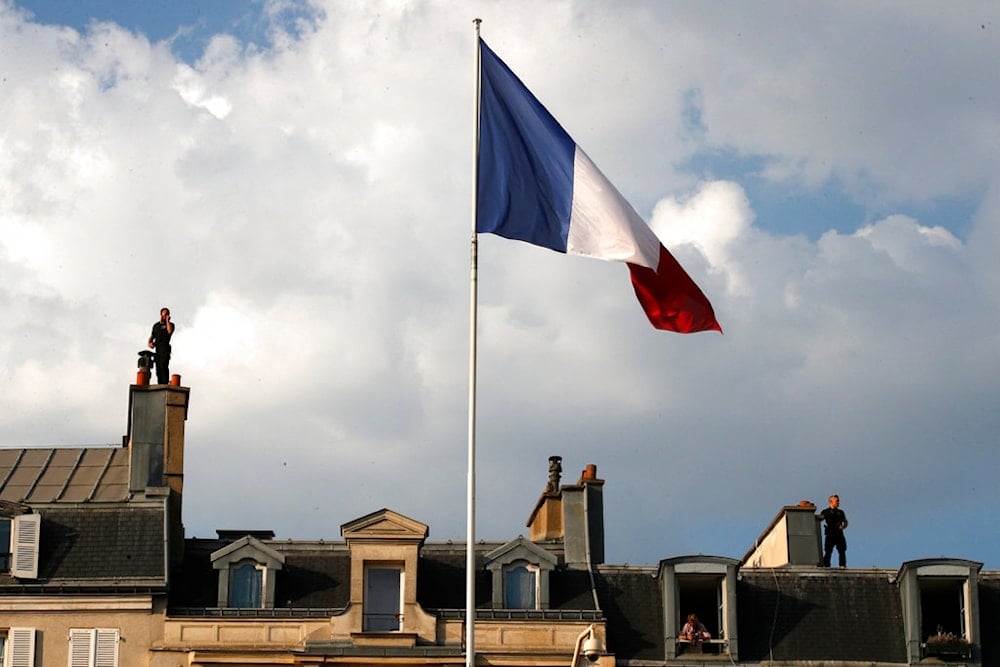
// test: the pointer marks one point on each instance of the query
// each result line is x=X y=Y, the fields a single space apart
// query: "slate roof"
x=441 y=577
x=989 y=617
x=317 y=575
x=110 y=546
x=64 y=475
x=819 y=614
x=630 y=599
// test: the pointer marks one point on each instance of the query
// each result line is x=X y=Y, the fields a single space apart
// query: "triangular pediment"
x=247 y=547
x=384 y=525
x=520 y=548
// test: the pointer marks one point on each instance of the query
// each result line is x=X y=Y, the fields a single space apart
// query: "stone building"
x=95 y=571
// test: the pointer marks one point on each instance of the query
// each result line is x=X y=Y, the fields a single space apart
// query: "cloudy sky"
x=294 y=181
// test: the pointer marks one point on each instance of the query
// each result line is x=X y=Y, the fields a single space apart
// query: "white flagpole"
x=470 y=529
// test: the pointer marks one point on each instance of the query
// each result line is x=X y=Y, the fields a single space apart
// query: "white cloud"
x=712 y=219
x=192 y=90
x=304 y=212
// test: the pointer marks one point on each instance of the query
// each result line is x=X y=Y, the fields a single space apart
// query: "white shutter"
x=81 y=648
x=106 y=654
x=93 y=648
x=26 y=530
x=21 y=647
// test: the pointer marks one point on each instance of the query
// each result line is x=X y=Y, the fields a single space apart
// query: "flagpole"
x=470 y=529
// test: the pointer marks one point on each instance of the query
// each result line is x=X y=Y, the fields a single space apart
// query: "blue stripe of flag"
x=525 y=184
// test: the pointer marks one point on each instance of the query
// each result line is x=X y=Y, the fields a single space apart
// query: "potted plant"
x=947 y=645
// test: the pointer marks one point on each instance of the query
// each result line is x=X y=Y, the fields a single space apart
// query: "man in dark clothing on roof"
x=159 y=340
x=835 y=522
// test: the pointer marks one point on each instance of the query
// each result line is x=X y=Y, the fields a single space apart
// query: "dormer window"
x=384 y=611
x=520 y=575
x=706 y=587
x=940 y=599
x=247 y=573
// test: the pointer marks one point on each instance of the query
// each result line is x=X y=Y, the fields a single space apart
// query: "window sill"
x=407 y=639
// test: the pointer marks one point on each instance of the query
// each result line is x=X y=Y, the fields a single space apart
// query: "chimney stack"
x=573 y=513
x=155 y=440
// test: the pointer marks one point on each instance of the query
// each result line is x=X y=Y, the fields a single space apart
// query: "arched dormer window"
x=247 y=572
x=520 y=575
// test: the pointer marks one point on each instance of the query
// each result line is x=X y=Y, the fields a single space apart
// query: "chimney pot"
x=145 y=364
x=590 y=472
x=175 y=380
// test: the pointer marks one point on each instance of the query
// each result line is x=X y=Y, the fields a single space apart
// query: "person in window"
x=835 y=522
x=159 y=340
x=694 y=630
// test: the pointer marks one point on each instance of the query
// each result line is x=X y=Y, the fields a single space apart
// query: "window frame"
x=530 y=569
x=255 y=589
x=19 y=647
x=933 y=592
x=701 y=593
x=367 y=612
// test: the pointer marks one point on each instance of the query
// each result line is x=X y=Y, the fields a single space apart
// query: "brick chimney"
x=575 y=514
x=155 y=440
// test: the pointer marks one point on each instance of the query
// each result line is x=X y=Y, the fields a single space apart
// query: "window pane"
x=4 y=552
x=519 y=588
x=245 y=585
x=382 y=601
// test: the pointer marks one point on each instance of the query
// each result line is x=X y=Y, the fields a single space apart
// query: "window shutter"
x=81 y=647
x=107 y=648
x=21 y=643
x=26 y=530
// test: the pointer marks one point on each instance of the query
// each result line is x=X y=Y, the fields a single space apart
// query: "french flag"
x=536 y=185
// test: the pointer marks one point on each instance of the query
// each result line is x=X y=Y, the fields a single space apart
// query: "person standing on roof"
x=159 y=341
x=835 y=522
